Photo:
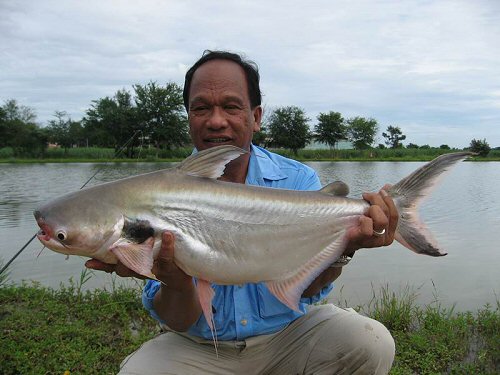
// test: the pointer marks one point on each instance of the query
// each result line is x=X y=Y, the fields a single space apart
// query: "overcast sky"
x=430 y=67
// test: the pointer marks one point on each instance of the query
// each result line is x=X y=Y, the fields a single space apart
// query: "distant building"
x=342 y=145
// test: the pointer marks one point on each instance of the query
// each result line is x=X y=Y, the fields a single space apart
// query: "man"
x=256 y=333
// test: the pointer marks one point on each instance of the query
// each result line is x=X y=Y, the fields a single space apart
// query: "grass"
x=48 y=331
x=403 y=154
x=434 y=339
x=93 y=154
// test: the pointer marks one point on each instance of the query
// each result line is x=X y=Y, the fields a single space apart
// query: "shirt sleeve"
x=309 y=181
x=319 y=296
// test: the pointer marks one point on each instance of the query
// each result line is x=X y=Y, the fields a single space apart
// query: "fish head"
x=78 y=226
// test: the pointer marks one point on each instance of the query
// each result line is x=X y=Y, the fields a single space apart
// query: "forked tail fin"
x=409 y=192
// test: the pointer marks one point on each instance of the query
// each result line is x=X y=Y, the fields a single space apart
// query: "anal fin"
x=289 y=290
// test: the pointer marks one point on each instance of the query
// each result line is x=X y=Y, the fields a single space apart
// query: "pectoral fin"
x=205 y=296
x=137 y=257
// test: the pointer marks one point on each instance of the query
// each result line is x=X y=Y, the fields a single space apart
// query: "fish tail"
x=409 y=192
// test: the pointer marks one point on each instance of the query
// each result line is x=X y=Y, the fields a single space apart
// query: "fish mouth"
x=54 y=244
x=45 y=233
x=43 y=236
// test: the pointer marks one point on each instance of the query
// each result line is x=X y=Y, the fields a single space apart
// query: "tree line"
x=155 y=115
x=288 y=127
x=153 y=112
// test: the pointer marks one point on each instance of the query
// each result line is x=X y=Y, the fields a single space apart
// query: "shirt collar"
x=261 y=167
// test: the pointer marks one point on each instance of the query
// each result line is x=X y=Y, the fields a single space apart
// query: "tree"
x=64 y=131
x=112 y=121
x=161 y=114
x=330 y=129
x=393 y=137
x=480 y=147
x=260 y=137
x=13 y=111
x=444 y=147
x=288 y=128
x=361 y=132
x=19 y=131
x=412 y=145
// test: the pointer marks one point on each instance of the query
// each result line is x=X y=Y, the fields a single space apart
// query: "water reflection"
x=463 y=213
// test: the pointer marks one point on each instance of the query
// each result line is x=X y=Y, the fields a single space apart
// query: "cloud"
x=430 y=67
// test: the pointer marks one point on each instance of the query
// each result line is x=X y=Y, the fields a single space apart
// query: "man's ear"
x=257 y=118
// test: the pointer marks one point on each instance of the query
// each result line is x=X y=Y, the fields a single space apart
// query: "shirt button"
x=243 y=322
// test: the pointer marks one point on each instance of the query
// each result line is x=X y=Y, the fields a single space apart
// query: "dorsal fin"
x=336 y=188
x=211 y=162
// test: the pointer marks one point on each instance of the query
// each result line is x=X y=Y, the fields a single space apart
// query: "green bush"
x=6 y=153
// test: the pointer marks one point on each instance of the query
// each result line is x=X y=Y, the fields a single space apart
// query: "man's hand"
x=382 y=216
x=119 y=268
x=176 y=301
x=164 y=267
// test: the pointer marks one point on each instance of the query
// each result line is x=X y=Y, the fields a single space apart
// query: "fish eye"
x=61 y=236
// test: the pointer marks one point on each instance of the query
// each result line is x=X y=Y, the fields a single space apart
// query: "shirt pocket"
x=269 y=305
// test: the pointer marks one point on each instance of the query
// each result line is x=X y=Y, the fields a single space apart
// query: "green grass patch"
x=93 y=154
x=404 y=154
x=434 y=339
x=47 y=331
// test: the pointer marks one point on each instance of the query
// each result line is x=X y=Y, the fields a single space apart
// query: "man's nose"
x=217 y=118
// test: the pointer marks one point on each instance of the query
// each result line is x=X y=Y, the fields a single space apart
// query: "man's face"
x=219 y=107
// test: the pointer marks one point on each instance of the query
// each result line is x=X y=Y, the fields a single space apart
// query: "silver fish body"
x=248 y=232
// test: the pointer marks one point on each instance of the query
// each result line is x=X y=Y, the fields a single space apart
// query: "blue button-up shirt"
x=241 y=311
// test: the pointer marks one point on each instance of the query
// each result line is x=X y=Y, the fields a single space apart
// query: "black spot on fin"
x=137 y=230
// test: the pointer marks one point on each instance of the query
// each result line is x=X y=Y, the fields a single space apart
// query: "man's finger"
x=393 y=214
x=124 y=271
x=376 y=199
x=97 y=265
x=167 y=245
x=166 y=254
x=379 y=218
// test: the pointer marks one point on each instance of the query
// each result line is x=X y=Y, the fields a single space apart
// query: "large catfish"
x=226 y=233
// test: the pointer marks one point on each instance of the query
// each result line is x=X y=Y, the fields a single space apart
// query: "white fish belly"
x=232 y=239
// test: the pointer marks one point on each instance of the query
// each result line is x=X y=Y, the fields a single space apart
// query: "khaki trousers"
x=326 y=340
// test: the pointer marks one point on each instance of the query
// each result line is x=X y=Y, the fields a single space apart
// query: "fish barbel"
x=226 y=233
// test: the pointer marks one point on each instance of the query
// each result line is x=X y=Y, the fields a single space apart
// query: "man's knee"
x=379 y=346
x=355 y=344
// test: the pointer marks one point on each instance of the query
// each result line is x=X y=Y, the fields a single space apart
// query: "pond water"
x=463 y=213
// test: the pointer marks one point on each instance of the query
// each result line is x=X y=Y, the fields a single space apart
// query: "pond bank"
x=44 y=330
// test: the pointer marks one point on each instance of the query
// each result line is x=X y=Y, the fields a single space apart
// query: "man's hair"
x=251 y=72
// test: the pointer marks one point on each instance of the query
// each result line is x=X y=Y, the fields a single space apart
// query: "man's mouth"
x=218 y=140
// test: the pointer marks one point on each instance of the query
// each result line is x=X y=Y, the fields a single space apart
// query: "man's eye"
x=232 y=107
x=199 y=108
